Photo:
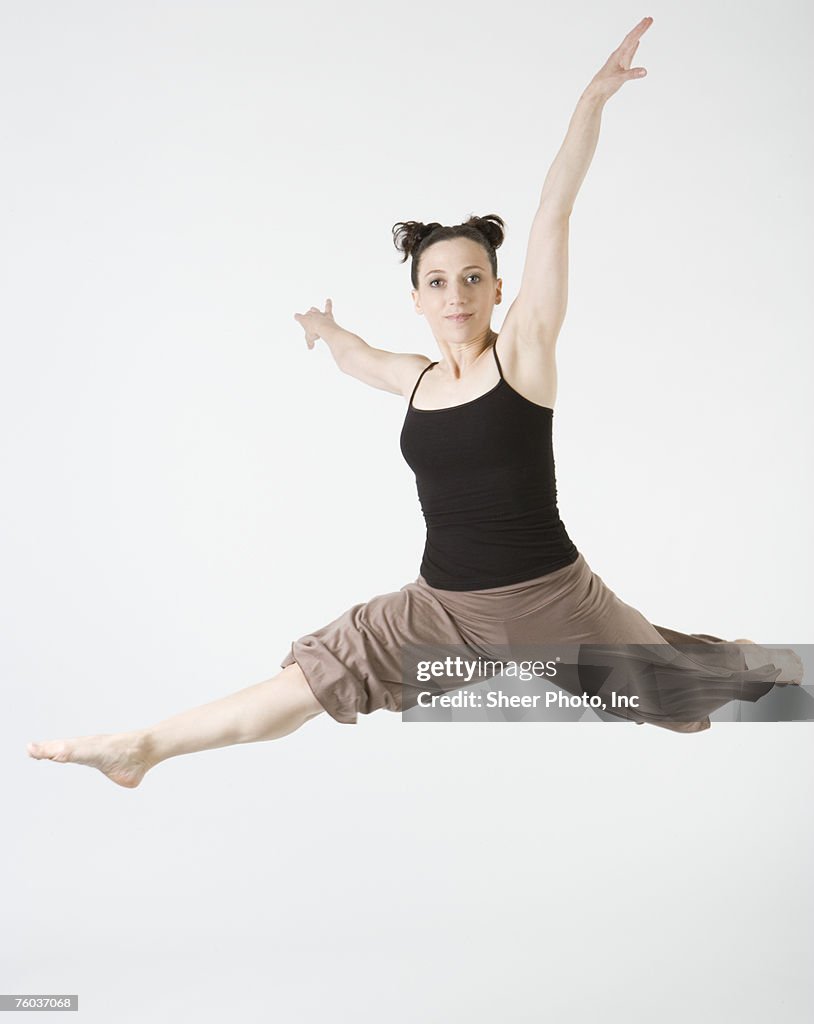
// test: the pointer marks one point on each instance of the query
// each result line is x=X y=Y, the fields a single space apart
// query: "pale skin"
x=454 y=276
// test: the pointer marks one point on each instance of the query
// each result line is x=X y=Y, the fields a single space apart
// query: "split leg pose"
x=498 y=567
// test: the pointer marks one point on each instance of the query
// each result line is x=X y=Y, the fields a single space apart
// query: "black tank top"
x=486 y=485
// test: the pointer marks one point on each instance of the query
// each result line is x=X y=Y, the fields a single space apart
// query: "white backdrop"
x=188 y=488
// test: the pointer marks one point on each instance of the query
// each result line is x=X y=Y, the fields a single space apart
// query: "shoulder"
x=523 y=329
x=408 y=367
x=395 y=372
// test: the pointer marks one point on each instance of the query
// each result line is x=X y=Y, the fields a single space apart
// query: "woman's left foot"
x=788 y=661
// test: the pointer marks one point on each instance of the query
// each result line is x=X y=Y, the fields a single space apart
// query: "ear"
x=499 y=291
x=416 y=303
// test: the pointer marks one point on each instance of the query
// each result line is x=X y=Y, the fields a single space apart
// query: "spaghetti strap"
x=412 y=396
x=499 y=367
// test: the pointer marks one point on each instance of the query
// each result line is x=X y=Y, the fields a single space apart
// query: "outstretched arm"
x=389 y=371
x=541 y=304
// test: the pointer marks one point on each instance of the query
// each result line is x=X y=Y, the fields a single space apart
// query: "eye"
x=477 y=276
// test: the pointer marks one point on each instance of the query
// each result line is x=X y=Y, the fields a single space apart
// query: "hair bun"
x=408 y=236
x=491 y=227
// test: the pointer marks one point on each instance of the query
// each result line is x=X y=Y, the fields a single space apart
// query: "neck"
x=458 y=358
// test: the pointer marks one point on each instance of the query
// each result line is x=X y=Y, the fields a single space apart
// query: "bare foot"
x=784 y=658
x=122 y=756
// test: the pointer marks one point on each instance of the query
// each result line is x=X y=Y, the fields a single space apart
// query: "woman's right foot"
x=123 y=756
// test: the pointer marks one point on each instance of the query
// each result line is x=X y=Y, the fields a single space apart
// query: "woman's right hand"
x=315 y=322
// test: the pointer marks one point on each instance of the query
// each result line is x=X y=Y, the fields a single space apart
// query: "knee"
x=302 y=694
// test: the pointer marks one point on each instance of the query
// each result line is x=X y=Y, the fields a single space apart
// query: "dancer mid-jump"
x=498 y=566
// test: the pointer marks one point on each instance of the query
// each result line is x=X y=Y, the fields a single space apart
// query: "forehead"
x=452 y=253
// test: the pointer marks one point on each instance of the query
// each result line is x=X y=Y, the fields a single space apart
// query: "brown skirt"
x=354 y=665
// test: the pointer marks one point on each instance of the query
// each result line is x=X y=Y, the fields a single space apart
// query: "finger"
x=634 y=35
x=625 y=53
x=639 y=29
x=328 y=306
x=626 y=58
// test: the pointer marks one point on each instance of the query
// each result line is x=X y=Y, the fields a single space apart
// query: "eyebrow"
x=472 y=266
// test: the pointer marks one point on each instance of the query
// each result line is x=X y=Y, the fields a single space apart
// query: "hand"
x=314 y=322
x=617 y=70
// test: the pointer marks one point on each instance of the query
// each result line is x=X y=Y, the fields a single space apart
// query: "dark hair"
x=412 y=238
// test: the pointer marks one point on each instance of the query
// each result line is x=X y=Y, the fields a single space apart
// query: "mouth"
x=460 y=318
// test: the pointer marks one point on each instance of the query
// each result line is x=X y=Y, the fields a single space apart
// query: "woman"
x=499 y=567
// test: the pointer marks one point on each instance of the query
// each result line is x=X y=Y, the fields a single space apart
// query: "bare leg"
x=265 y=711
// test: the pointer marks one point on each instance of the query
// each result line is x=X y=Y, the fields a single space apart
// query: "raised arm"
x=539 y=309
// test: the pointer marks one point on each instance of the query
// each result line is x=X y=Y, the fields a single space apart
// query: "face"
x=455 y=276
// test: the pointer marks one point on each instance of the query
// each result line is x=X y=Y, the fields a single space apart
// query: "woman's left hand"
x=617 y=70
